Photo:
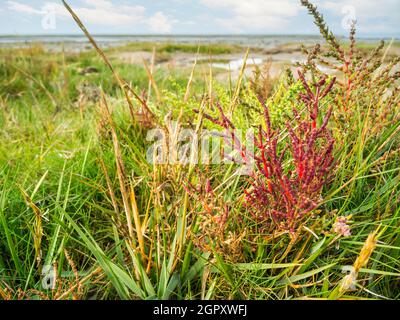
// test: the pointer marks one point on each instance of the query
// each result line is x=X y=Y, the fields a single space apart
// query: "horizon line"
x=192 y=35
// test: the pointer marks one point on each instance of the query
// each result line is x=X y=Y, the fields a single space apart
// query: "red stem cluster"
x=286 y=182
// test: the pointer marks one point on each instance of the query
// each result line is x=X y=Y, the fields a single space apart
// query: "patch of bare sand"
x=134 y=57
x=280 y=57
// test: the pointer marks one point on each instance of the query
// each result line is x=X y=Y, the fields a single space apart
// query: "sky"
x=374 y=17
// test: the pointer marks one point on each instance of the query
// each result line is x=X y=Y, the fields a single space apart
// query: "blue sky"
x=374 y=17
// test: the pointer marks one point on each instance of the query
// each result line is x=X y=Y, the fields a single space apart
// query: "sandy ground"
x=280 y=57
x=225 y=63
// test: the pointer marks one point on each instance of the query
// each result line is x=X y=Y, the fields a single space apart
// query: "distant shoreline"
x=78 y=43
x=228 y=38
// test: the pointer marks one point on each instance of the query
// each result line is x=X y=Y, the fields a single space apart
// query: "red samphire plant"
x=286 y=182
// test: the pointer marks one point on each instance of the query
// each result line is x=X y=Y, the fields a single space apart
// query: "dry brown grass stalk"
x=120 y=169
x=122 y=83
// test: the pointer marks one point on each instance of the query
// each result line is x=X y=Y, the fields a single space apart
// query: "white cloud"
x=160 y=23
x=100 y=4
x=103 y=13
x=254 y=15
x=22 y=8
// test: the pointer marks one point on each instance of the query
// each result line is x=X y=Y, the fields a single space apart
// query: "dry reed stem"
x=123 y=84
x=136 y=218
x=109 y=186
x=238 y=84
x=74 y=270
x=120 y=169
x=83 y=281
x=189 y=84
x=151 y=79
x=349 y=282
x=153 y=61
x=38 y=228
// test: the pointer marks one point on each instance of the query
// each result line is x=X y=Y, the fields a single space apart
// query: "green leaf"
x=305 y=275
x=121 y=280
x=264 y=266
